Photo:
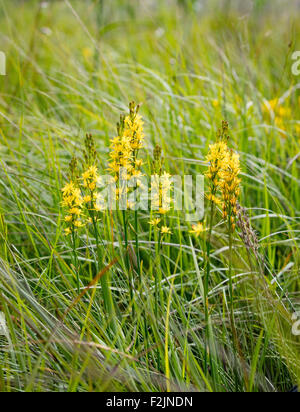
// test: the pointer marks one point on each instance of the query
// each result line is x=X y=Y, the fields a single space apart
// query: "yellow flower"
x=230 y=187
x=121 y=155
x=279 y=122
x=125 y=147
x=214 y=199
x=155 y=222
x=87 y=199
x=134 y=131
x=68 y=231
x=284 y=112
x=277 y=108
x=198 y=229
x=75 y=211
x=165 y=230
x=87 y=52
x=217 y=158
x=279 y=113
x=215 y=103
x=72 y=202
x=91 y=178
x=160 y=191
x=68 y=189
x=78 y=224
x=163 y=211
x=139 y=163
x=271 y=103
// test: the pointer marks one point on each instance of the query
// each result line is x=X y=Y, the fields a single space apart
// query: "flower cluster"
x=124 y=162
x=120 y=156
x=161 y=187
x=80 y=196
x=161 y=193
x=73 y=203
x=217 y=158
x=90 y=180
x=125 y=147
x=133 y=128
x=230 y=187
x=223 y=174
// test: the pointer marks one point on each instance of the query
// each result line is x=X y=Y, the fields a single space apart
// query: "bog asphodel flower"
x=223 y=174
x=161 y=188
x=155 y=222
x=214 y=199
x=165 y=230
x=161 y=193
x=217 y=158
x=230 y=187
x=121 y=156
x=90 y=179
x=133 y=128
x=198 y=229
x=124 y=162
x=125 y=147
x=72 y=203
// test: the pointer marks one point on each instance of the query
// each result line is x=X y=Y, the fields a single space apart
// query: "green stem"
x=206 y=287
x=230 y=268
x=75 y=261
x=158 y=291
x=127 y=259
x=137 y=245
x=107 y=296
x=232 y=321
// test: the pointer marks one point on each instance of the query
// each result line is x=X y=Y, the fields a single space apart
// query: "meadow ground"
x=119 y=304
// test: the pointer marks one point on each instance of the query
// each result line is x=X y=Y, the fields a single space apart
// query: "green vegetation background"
x=72 y=67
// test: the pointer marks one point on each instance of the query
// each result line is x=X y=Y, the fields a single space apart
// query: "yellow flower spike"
x=72 y=202
x=217 y=158
x=230 y=187
x=125 y=147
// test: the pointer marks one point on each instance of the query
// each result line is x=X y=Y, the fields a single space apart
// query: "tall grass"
x=72 y=68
